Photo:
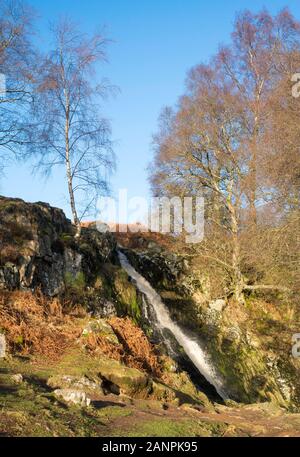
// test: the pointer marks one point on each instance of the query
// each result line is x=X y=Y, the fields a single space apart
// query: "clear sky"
x=155 y=43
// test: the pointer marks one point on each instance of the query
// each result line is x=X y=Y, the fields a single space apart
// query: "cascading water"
x=191 y=347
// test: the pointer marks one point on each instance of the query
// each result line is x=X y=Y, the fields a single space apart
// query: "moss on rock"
x=131 y=382
x=116 y=285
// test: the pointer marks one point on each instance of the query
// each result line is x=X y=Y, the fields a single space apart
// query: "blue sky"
x=155 y=42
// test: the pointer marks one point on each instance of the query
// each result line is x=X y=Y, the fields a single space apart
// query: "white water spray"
x=191 y=347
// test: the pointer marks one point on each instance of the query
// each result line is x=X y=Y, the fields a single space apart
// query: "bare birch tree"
x=17 y=68
x=71 y=131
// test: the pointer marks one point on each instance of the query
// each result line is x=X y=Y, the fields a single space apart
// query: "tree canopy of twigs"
x=70 y=129
x=17 y=72
x=233 y=138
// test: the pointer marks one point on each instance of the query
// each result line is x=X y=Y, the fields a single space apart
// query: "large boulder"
x=130 y=381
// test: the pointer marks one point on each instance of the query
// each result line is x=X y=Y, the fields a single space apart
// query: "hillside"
x=84 y=356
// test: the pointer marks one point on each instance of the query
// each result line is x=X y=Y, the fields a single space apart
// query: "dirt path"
x=259 y=420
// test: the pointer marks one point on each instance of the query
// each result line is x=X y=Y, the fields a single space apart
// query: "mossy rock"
x=163 y=393
x=102 y=328
x=268 y=409
x=117 y=286
x=182 y=383
x=244 y=369
x=68 y=240
x=131 y=381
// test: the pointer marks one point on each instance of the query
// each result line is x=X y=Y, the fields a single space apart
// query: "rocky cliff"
x=38 y=248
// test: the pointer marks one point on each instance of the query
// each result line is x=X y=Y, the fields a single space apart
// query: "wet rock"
x=127 y=298
x=161 y=269
x=76 y=397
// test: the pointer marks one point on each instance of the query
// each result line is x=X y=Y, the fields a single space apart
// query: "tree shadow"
x=100 y=404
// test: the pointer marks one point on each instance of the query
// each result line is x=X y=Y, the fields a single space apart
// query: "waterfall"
x=191 y=347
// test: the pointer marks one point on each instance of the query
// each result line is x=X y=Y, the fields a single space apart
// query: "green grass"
x=30 y=409
x=166 y=427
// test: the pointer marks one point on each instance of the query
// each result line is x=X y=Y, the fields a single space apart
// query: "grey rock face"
x=160 y=269
x=38 y=248
x=9 y=276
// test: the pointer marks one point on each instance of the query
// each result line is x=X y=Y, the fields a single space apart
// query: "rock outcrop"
x=38 y=248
